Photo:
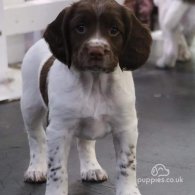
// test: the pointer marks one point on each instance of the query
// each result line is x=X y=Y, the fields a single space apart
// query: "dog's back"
x=32 y=64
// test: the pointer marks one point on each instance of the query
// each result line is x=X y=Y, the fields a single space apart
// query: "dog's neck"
x=97 y=80
x=95 y=75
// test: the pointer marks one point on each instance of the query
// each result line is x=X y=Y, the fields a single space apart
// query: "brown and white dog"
x=176 y=18
x=80 y=75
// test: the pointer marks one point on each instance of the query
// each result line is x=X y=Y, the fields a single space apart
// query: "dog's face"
x=96 y=35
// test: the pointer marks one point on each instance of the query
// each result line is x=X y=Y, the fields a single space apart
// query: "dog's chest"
x=96 y=110
x=91 y=103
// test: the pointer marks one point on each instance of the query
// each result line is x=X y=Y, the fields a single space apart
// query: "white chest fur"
x=90 y=103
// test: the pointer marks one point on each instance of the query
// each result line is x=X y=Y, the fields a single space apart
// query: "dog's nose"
x=96 y=52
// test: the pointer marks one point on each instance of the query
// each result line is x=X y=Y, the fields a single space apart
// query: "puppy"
x=176 y=18
x=79 y=77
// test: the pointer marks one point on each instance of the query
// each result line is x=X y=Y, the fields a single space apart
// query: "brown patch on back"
x=43 y=78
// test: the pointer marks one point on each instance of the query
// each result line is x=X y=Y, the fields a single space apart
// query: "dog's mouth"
x=95 y=63
x=96 y=66
x=97 y=69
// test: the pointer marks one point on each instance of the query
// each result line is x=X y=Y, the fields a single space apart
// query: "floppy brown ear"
x=56 y=36
x=137 y=43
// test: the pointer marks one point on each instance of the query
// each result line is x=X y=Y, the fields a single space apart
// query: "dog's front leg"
x=125 y=146
x=59 y=141
x=91 y=171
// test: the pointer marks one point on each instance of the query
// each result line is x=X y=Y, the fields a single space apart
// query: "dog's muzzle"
x=97 y=57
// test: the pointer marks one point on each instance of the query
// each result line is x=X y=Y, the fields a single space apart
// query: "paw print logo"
x=159 y=170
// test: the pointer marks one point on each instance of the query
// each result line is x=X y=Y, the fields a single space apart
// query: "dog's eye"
x=81 y=29
x=114 y=31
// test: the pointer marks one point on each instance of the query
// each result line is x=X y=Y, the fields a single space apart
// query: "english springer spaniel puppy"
x=176 y=18
x=79 y=78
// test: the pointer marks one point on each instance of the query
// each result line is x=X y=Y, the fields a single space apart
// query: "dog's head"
x=96 y=35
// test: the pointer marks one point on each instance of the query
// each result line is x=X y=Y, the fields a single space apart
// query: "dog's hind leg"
x=90 y=169
x=170 y=50
x=184 y=53
x=189 y=38
x=170 y=24
x=33 y=110
x=33 y=114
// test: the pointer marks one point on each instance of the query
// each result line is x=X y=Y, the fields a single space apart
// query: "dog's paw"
x=35 y=175
x=94 y=175
x=162 y=64
x=184 y=55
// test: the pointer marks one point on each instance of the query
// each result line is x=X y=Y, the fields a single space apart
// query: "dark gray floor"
x=166 y=110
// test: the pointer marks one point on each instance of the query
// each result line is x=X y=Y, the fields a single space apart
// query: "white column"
x=3 y=46
x=15 y=43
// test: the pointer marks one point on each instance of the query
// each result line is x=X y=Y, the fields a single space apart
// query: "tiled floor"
x=166 y=110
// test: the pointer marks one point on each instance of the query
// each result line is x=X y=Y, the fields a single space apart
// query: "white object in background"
x=15 y=43
x=3 y=47
x=157 y=45
x=40 y=13
x=10 y=87
x=12 y=2
x=7 y=84
x=15 y=48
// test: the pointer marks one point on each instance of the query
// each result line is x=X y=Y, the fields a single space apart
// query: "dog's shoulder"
x=36 y=56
